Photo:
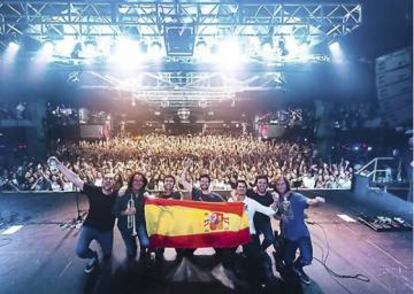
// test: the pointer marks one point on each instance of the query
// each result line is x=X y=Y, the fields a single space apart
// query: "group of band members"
x=127 y=204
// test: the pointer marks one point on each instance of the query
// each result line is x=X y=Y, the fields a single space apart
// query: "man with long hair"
x=133 y=216
x=294 y=231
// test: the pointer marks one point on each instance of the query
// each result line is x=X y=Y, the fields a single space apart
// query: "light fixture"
x=183 y=113
x=282 y=47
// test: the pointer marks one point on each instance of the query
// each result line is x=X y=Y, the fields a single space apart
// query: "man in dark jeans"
x=295 y=233
x=261 y=221
x=100 y=222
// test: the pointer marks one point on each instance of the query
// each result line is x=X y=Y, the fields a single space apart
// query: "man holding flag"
x=199 y=223
x=202 y=194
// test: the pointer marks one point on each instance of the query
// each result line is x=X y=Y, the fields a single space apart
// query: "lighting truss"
x=172 y=89
x=41 y=19
x=181 y=81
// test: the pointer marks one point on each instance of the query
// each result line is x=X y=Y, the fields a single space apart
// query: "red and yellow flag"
x=196 y=224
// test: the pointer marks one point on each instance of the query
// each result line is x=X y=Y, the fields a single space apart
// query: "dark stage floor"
x=40 y=258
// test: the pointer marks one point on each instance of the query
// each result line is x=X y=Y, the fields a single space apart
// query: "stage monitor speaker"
x=395 y=86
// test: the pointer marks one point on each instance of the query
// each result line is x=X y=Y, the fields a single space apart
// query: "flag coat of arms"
x=195 y=224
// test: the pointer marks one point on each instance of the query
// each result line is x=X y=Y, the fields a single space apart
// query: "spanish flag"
x=195 y=224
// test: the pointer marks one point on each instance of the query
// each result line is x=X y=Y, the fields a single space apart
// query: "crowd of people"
x=61 y=114
x=290 y=117
x=13 y=110
x=350 y=116
x=127 y=204
x=224 y=158
x=64 y=114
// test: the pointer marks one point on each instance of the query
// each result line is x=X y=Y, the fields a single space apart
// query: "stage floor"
x=40 y=258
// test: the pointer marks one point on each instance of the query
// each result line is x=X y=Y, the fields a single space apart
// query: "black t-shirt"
x=173 y=195
x=265 y=200
x=100 y=214
x=197 y=195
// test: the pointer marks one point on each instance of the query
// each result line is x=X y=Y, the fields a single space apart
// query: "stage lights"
x=296 y=49
x=65 y=47
x=267 y=51
x=90 y=48
x=155 y=50
x=224 y=51
x=283 y=51
x=127 y=52
x=336 y=52
x=229 y=54
x=14 y=43
x=13 y=46
x=11 y=51
x=334 y=47
x=201 y=49
x=183 y=113
x=47 y=49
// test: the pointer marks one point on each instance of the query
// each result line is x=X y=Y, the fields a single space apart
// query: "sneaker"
x=91 y=265
x=302 y=275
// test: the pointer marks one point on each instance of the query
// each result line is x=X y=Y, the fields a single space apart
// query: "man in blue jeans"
x=294 y=231
x=100 y=222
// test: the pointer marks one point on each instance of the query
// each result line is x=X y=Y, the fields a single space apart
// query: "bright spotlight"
x=292 y=46
x=89 y=49
x=283 y=51
x=255 y=46
x=201 y=49
x=335 y=47
x=267 y=51
x=11 y=51
x=47 y=50
x=229 y=53
x=155 y=50
x=126 y=52
x=336 y=51
x=13 y=46
x=104 y=45
x=65 y=46
x=297 y=51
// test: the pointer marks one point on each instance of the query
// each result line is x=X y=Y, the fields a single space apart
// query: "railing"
x=159 y=191
x=380 y=170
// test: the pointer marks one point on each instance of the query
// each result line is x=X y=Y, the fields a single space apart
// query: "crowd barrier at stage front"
x=225 y=193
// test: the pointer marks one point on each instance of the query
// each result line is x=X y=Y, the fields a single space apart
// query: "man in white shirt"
x=257 y=259
x=251 y=206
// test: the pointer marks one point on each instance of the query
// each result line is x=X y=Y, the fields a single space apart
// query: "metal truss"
x=181 y=82
x=182 y=89
x=43 y=19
